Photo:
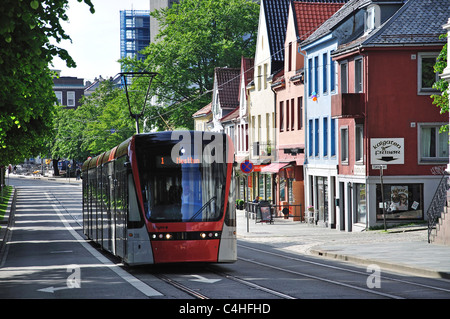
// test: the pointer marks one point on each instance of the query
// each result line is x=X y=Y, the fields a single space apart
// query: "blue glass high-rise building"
x=134 y=32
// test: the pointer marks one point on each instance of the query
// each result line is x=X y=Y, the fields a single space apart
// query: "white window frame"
x=359 y=144
x=71 y=98
x=344 y=145
x=432 y=159
x=58 y=95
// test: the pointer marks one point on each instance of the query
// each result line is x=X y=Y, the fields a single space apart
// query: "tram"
x=165 y=197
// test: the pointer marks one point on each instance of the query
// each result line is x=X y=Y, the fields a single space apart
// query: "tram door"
x=120 y=204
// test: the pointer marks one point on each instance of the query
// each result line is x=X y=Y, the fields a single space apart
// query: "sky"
x=95 y=37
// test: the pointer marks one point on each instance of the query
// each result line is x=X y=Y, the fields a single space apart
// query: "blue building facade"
x=321 y=135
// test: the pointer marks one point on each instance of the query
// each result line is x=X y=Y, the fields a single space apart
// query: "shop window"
x=361 y=208
x=401 y=201
x=322 y=197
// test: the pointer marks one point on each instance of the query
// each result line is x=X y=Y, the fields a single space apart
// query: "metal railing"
x=437 y=204
x=266 y=212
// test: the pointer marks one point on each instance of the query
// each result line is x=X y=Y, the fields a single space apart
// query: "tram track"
x=178 y=285
x=336 y=268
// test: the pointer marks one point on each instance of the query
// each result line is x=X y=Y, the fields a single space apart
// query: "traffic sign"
x=379 y=166
x=247 y=167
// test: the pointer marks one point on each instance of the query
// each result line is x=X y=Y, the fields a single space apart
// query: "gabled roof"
x=342 y=14
x=310 y=15
x=206 y=110
x=417 y=22
x=246 y=72
x=230 y=116
x=276 y=14
x=228 y=81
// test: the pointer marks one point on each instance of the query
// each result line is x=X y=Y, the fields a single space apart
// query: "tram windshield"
x=182 y=188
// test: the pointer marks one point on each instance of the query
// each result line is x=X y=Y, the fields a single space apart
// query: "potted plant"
x=311 y=208
x=239 y=204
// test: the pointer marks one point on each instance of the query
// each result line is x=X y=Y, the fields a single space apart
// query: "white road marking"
x=138 y=284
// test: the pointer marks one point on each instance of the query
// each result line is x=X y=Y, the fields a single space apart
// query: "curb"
x=382 y=264
x=5 y=223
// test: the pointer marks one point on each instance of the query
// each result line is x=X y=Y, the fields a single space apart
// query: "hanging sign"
x=387 y=151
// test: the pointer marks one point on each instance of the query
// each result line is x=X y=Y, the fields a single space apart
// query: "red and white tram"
x=163 y=197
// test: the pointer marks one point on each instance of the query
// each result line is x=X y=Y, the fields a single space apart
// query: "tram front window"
x=181 y=191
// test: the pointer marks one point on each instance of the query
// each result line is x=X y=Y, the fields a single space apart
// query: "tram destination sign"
x=387 y=151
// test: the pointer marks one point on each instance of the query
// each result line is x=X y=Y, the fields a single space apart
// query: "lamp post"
x=134 y=75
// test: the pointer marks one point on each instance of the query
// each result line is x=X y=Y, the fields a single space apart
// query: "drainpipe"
x=366 y=132
x=305 y=96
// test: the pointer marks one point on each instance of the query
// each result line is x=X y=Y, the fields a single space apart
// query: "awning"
x=273 y=168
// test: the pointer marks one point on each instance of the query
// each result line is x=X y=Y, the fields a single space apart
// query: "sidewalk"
x=404 y=250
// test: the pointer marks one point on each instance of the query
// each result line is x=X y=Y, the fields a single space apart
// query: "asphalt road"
x=47 y=257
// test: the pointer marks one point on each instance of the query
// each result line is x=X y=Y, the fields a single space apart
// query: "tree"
x=195 y=36
x=27 y=101
x=441 y=100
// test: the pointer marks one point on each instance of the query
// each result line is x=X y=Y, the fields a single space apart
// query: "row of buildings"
x=335 y=102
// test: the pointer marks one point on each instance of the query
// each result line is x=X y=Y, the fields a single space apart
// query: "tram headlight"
x=168 y=236
x=203 y=235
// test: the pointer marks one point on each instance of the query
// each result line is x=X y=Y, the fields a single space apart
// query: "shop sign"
x=387 y=151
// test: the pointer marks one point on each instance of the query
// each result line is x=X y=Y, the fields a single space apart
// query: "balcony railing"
x=347 y=105
x=263 y=149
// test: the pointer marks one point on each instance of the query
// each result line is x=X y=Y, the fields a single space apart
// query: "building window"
x=325 y=136
x=332 y=74
x=71 y=98
x=325 y=73
x=292 y=114
x=333 y=137
x=290 y=57
x=344 y=145
x=344 y=78
x=287 y=115
x=259 y=78
x=281 y=116
x=358 y=75
x=433 y=145
x=310 y=79
x=311 y=130
x=300 y=112
x=427 y=76
x=316 y=137
x=359 y=144
x=316 y=74
x=59 y=97
x=265 y=76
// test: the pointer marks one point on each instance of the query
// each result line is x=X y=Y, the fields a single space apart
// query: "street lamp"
x=133 y=76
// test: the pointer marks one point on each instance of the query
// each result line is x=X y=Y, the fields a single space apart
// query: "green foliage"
x=26 y=98
x=99 y=124
x=195 y=37
x=441 y=100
